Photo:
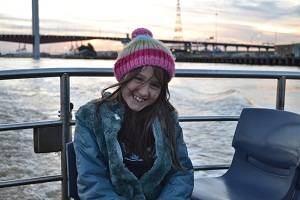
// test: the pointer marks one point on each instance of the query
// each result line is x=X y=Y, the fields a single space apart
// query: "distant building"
x=288 y=50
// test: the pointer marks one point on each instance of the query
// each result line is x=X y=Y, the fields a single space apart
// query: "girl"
x=129 y=144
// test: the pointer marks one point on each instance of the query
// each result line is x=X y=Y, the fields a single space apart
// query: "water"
x=27 y=100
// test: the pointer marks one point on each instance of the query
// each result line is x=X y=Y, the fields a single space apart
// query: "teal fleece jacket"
x=101 y=171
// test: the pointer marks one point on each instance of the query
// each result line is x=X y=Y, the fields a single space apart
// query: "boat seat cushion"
x=271 y=136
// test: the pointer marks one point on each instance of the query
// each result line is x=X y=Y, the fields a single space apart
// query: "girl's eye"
x=155 y=86
x=138 y=79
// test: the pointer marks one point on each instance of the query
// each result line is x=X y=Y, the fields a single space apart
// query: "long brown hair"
x=161 y=108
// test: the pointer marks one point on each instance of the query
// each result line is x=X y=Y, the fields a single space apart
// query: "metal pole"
x=280 y=96
x=35 y=29
x=66 y=131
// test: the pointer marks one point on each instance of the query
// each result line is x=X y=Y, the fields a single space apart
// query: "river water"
x=28 y=100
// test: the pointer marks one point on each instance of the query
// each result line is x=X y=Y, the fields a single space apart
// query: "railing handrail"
x=188 y=73
x=28 y=125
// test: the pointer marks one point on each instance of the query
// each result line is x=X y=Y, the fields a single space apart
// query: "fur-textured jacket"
x=101 y=172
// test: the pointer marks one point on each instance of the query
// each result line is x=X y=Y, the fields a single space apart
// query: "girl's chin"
x=135 y=108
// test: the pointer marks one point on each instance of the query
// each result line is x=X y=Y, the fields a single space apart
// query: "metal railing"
x=65 y=122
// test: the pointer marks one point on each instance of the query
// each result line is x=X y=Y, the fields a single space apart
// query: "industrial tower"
x=178 y=25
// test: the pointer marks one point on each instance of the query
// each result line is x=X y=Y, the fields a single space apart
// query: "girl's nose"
x=143 y=90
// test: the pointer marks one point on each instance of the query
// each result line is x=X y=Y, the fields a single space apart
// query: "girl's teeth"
x=138 y=98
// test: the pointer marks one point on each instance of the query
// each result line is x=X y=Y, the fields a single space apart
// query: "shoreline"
x=248 y=60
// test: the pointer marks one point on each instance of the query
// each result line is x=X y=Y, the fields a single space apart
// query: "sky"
x=247 y=21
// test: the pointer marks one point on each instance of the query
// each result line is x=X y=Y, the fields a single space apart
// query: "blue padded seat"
x=264 y=166
x=71 y=171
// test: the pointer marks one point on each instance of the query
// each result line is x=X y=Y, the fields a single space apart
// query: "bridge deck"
x=65 y=38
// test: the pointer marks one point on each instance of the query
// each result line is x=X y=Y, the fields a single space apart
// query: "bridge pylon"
x=35 y=29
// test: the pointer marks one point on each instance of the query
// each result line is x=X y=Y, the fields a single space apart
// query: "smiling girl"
x=129 y=144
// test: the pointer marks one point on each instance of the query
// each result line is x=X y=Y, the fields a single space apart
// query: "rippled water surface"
x=26 y=100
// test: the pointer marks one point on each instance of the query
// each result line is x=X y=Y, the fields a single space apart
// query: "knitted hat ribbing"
x=143 y=50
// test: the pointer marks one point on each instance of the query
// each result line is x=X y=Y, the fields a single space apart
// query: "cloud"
x=296 y=11
x=268 y=10
x=15 y=25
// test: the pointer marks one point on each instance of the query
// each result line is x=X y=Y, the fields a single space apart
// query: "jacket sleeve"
x=179 y=184
x=93 y=180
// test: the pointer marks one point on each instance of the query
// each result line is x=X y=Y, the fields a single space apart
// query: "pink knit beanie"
x=141 y=51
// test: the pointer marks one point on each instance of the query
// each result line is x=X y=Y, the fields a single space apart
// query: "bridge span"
x=28 y=39
x=187 y=45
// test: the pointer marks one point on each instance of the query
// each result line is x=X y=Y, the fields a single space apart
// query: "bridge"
x=185 y=44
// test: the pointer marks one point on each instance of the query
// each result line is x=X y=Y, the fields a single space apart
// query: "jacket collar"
x=112 y=115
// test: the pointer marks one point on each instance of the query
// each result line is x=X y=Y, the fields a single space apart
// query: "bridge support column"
x=35 y=29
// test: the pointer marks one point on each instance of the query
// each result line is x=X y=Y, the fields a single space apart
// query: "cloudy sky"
x=248 y=21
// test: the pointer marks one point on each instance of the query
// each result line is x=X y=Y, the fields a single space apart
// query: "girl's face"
x=143 y=90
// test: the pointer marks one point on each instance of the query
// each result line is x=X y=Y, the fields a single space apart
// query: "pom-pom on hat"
x=144 y=50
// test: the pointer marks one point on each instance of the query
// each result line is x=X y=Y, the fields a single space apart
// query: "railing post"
x=280 y=96
x=66 y=131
